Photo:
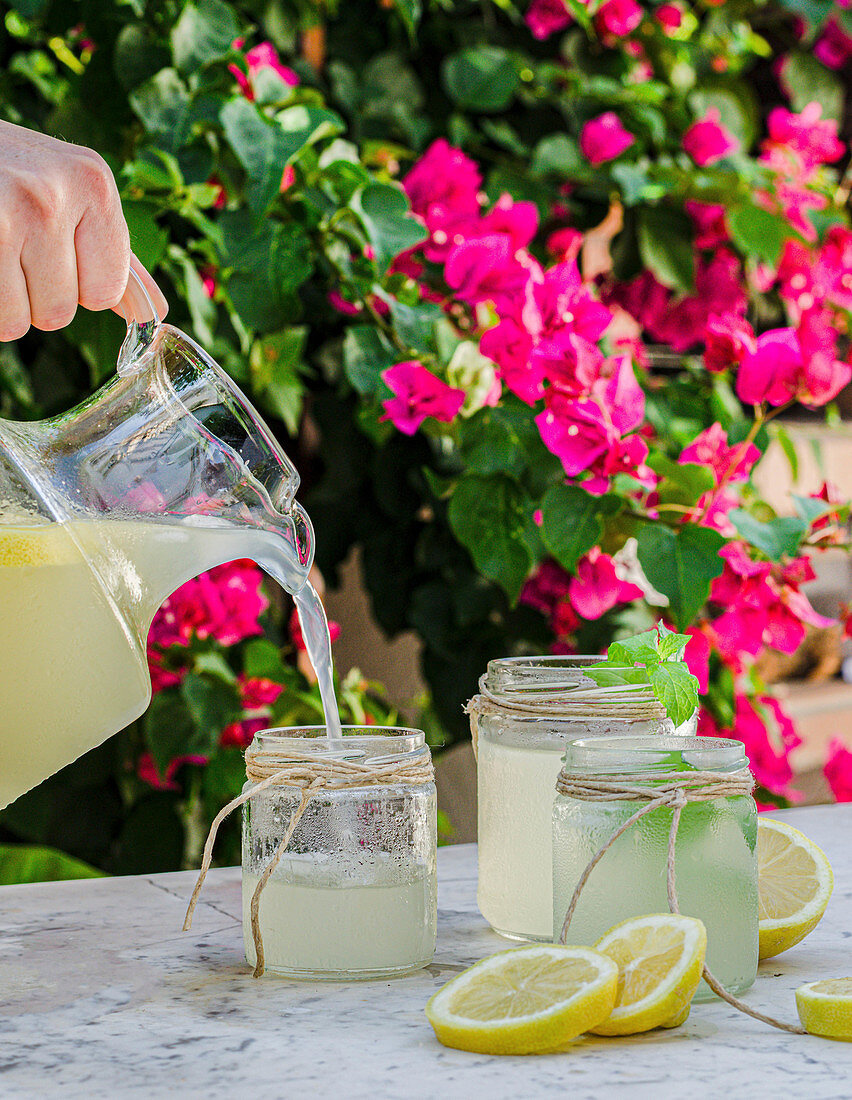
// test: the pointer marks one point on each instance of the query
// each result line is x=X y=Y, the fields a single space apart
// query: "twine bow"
x=662 y=789
x=311 y=775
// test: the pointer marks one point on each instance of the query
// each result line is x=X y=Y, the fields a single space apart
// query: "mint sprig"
x=660 y=653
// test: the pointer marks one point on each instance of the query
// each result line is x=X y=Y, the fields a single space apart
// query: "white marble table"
x=102 y=995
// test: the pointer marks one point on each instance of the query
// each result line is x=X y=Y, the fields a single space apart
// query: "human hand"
x=63 y=237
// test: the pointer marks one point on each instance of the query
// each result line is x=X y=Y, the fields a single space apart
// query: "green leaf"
x=147 y=239
x=480 y=78
x=559 y=155
x=366 y=353
x=35 y=863
x=162 y=105
x=777 y=538
x=385 y=214
x=808 y=80
x=213 y=703
x=681 y=483
x=305 y=124
x=169 y=729
x=756 y=232
x=489 y=516
x=676 y=688
x=409 y=12
x=261 y=147
x=681 y=564
x=415 y=324
x=573 y=521
x=736 y=103
x=811 y=509
x=491 y=444
x=262 y=658
x=277 y=361
x=665 y=239
x=205 y=32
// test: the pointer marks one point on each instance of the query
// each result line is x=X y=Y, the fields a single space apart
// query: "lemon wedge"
x=38 y=544
x=794 y=884
x=660 y=959
x=825 y=1008
x=526 y=1000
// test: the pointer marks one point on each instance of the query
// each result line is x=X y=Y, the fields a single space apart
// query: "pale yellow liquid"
x=313 y=928
x=72 y=638
x=516 y=789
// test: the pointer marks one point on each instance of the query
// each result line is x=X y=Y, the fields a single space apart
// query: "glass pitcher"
x=104 y=511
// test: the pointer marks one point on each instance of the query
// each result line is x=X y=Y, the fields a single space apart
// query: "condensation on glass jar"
x=355 y=892
x=527 y=709
x=715 y=851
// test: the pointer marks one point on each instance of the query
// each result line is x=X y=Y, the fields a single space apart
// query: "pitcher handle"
x=142 y=322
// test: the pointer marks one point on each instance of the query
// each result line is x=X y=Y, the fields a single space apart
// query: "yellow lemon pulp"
x=660 y=959
x=794 y=881
x=525 y=1000
x=825 y=1008
x=39 y=544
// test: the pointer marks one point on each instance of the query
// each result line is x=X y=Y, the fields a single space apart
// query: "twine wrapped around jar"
x=566 y=700
x=311 y=775
x=656 y=790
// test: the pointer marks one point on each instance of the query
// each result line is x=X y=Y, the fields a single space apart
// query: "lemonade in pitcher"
x=105 y=510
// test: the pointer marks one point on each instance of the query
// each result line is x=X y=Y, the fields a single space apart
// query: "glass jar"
x=527 y=709
x=354 y=894
x=715 y=851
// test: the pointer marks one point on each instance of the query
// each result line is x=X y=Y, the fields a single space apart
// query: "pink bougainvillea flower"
x=546 y=17
x=342 y=305
x=546 y=587
x=262 y=56
x=838 y=770
x=792 y=364
x=510 y=345
x=488 y=269
x=834 y=47
x=728 y=339
x=516 y=220
x=708 y=141
x=768 y=751
x=621 y=395
x=577 y=431
x=834 y=266
x=807 y=133
x=224 y=603
x=444 y=176
x=709 y=221
x=669 y=16
x=241 y=734
x=419 y=394
x=146 y=769
x=558 y=302
x=617 y=18
x=258 y=691
x=604 y=138
x=569 y=362
x=596 y=587
x=710 y=448
x=565 y=244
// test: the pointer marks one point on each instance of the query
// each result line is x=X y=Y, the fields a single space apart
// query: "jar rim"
x=367 y=742
x=627 y=753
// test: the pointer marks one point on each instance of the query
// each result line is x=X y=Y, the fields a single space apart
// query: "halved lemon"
x=825 y=1008
x=794 y=884
x=660 y=958
x=38 y=544
x=526 y=1000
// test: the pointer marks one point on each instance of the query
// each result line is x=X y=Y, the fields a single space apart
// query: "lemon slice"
x=660 y=959
x=794 y=884
x=46 y=544
x=526 y=1000
x=825 y=1008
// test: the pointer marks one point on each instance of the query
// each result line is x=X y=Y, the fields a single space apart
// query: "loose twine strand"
x=676 y=790
x=311 y=776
